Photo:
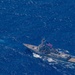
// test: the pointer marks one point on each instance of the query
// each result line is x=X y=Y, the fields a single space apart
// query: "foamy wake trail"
x=43 y=58
x=52 y=61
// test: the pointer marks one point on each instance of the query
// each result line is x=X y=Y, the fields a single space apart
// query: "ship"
x=46 y=50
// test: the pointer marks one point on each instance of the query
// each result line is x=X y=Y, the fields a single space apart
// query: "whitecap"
x=36 y=55
x=50 y=60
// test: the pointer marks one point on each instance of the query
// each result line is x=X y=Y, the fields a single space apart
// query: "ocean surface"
x=28 y=21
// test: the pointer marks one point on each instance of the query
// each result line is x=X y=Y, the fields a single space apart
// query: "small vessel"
x=46 y=49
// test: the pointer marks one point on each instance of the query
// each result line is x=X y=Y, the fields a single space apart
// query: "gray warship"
x=46 y=49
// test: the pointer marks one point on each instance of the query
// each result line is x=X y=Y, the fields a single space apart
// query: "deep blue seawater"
x=28 y=21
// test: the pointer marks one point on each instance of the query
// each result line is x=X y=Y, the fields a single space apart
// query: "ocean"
x=29 y=21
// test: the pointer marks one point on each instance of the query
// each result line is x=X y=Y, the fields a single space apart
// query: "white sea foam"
x=50 y=60
x=36 y=55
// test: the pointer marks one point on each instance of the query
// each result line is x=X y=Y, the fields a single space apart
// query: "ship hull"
x=61 y=56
